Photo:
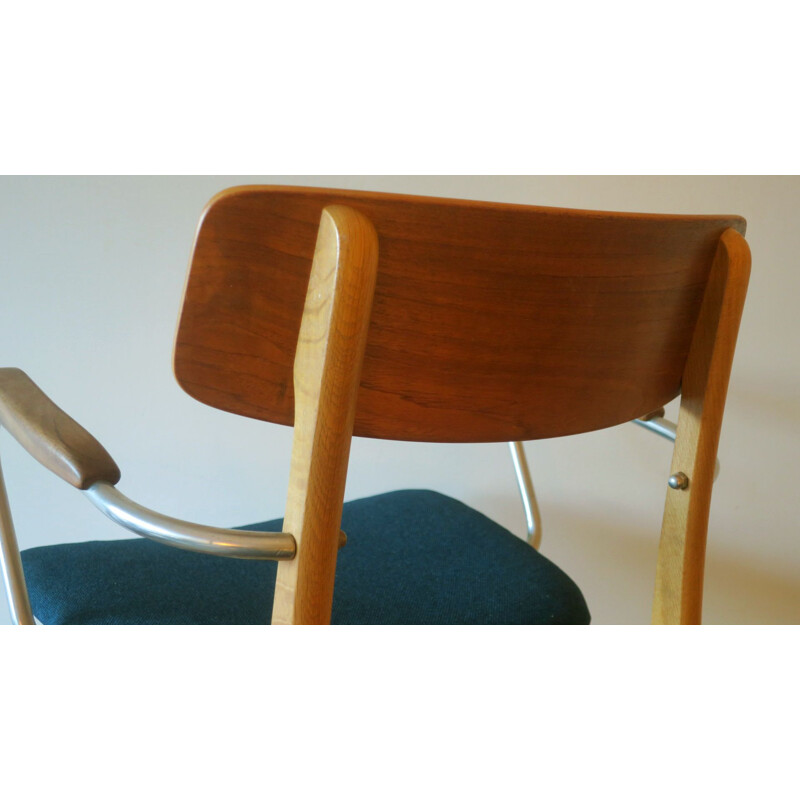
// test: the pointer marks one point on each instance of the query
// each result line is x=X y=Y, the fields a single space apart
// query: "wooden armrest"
x=59 y=443
x=52 y=437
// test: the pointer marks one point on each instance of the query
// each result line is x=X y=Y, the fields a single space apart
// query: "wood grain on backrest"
x=491 y=322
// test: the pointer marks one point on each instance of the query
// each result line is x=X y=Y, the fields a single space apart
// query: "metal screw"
x=679 y=481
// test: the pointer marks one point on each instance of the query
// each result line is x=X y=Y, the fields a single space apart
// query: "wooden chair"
x=355 y=313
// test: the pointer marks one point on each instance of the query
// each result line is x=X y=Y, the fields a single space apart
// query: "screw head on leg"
x=679 y=481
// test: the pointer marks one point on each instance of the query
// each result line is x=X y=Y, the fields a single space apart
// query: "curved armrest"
x=52 y=437
x=72 y=453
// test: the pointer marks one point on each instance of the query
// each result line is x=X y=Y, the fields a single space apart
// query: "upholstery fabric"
x=412 y=557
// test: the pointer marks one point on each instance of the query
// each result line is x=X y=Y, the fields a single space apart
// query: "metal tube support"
x=533 y=518
x=13 y=577
x=669 y=430
x=189 y=535
x=663 y=427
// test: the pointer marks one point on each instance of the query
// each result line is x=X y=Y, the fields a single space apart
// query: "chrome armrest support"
x=189 y=535
x=144 y=522
x=67 y=449
x=656 y=423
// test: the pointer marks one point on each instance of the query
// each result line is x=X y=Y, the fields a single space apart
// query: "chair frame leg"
x=13 y=577
x=327 y=372
x=533 y=518
x=681 y=556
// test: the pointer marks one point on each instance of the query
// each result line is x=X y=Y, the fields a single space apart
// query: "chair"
x=355 y=313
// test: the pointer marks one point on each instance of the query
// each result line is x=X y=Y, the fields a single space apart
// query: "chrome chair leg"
x=533 y=518
x=11 y=563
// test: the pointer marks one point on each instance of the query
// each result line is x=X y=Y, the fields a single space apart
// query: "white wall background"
x=92 y=272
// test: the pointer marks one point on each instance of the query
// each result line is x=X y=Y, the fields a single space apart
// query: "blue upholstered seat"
x=412 y=557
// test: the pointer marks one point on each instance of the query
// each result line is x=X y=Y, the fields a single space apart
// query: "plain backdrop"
x=92 y=272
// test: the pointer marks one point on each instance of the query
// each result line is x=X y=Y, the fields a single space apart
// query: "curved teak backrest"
x=490 y=322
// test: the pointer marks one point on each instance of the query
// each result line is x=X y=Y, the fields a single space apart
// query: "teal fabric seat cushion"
x=412 y=557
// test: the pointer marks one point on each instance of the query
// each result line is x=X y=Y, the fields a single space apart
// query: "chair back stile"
x=327 y=369
x=682 y=547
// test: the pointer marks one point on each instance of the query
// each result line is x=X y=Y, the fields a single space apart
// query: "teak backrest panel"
x=491 y=322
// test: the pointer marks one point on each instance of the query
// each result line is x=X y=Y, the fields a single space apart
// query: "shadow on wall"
x=774 y=402
x=748 y=594
x=615 y=567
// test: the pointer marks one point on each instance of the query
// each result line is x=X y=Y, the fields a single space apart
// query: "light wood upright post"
x=681 y=556
x=327 y=370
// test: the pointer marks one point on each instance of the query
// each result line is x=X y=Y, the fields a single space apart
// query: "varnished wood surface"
x=681 y=558
x=52 y=437
x=490 y=321
x=330 y=351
